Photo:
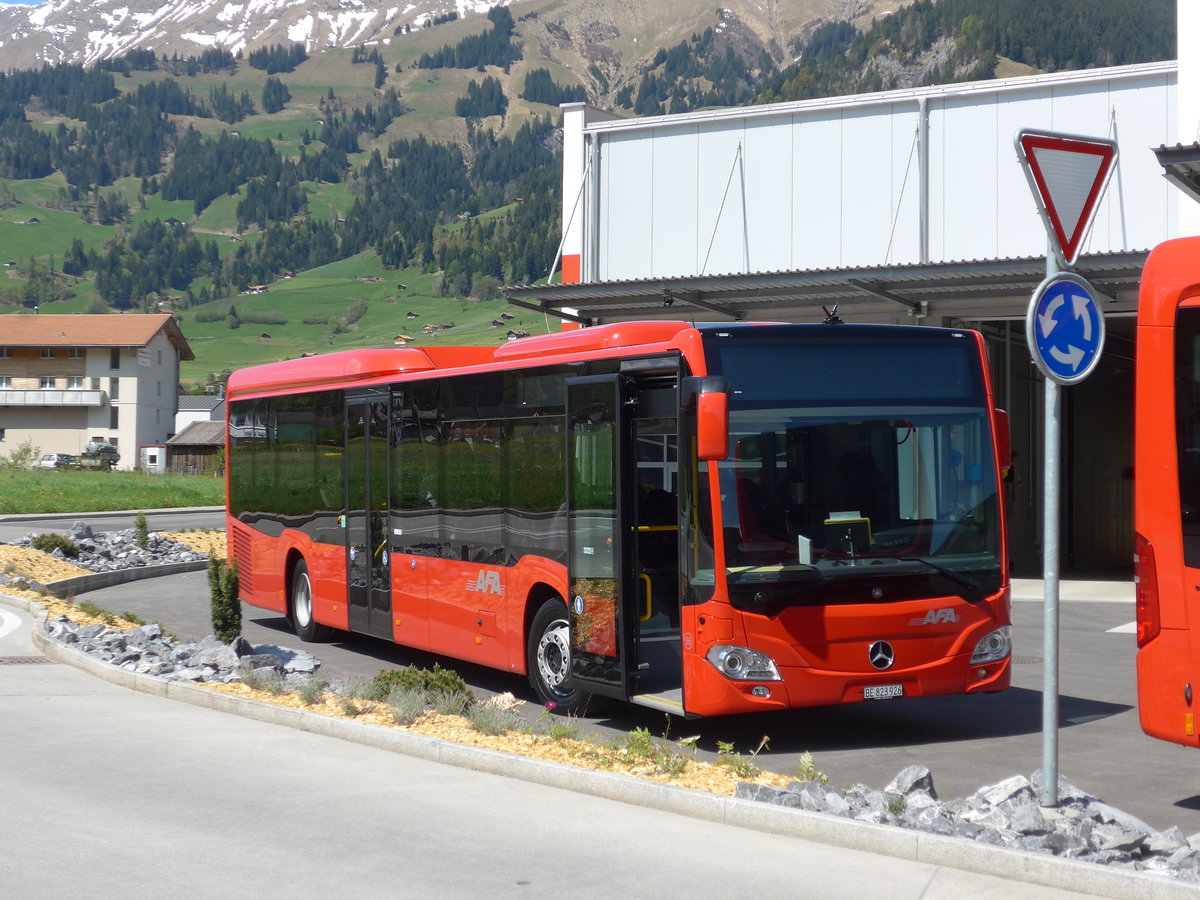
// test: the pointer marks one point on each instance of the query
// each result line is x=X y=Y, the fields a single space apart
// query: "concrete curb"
x=77 y=516
x=932 y=849
x=80 y=584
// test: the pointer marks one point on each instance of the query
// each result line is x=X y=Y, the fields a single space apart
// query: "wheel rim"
x=554 y=656
x=302 y=601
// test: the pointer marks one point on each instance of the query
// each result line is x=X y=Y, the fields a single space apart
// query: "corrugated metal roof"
x=202 y=402
x=919 y=287
x=202 y=434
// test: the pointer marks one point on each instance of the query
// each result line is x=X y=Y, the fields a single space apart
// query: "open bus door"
x=624 y=635
x=598 y=606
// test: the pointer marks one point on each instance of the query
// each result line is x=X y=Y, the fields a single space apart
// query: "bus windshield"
x=857 y=493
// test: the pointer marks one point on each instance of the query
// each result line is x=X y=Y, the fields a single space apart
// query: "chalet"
x=195 y=450
x=513 y=335
x=408 y=315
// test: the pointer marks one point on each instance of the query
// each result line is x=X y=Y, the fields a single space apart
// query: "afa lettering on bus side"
x=936 y=617
x=486 y=583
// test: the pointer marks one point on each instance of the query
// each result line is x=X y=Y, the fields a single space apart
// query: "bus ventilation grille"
x=241 y=552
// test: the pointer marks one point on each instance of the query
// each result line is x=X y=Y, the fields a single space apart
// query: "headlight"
x=994 y=646
x=742 y=663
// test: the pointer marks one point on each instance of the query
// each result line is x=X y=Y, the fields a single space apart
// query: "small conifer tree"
x=141 y=531
x=226 y=607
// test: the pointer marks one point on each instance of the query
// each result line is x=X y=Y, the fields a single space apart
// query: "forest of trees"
x=495 y=47
x=540 y=87
x=413 y=203
x=277 y=58
x=1069 y=34
x=484 y=98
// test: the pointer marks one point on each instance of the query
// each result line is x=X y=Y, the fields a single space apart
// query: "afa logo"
x=936 y=617
x=486 y=583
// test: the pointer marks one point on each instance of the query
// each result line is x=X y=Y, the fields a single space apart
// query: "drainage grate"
x=1028 y=660
x=23 y=660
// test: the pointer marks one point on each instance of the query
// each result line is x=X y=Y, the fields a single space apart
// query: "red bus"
x=1167 y=490
x=703 y=519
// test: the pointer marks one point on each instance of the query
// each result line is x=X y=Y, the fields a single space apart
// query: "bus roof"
x=360 y=366
x=1170 y=274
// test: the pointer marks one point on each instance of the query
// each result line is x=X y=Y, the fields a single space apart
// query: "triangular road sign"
x=1068 y=175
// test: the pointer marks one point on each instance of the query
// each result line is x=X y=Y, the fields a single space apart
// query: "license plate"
x=883 y=691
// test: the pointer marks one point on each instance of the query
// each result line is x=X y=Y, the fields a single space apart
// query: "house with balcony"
x=68 y=380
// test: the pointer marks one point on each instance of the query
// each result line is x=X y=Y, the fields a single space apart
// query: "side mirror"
x=1003 y=441
x=712 y=419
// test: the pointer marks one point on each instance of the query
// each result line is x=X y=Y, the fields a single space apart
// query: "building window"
x=46 y=383
x=160 y=357
x=74 y=353
x=74 y=382
x=6 y=381
x=114 y=389
x=112 y=417
x=5 y=352
x=95 y=383
x=1 y=434
x=114 y=358
x=47 y=353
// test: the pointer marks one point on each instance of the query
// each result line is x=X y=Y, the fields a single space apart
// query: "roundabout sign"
x=1065 y=328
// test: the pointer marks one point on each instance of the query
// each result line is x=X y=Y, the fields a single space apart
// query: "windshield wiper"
x=957 y=577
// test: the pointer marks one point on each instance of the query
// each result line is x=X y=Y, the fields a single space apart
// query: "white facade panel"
x=768 y=178
x=968 y=171
x=626 y=215
x=672 y=207
x=816 y=190
x=721 y=214
x=837 y=183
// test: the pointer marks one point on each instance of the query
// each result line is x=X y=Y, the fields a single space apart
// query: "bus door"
x=368 y=578
x=615 y=627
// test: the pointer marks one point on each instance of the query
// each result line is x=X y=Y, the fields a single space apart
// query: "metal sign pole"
x=1065 y=332
x=1050 y=493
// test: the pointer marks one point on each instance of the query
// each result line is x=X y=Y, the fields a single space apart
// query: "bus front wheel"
x=300 y=607
x=548 y=659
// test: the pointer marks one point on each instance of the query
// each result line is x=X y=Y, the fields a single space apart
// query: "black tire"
x=548 y=659
x=300 y=608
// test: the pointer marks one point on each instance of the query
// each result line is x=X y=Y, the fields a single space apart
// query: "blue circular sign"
x=1065 y=328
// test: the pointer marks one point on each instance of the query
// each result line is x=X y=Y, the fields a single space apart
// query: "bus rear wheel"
x=548 y=659
x=300 y=608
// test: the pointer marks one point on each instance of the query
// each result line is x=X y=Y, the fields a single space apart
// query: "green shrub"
x=449 y=704
x=311 y=691
x=440 y=680
x=50 y=542
x=492 y=720
x=225 y=604
x=406 y=704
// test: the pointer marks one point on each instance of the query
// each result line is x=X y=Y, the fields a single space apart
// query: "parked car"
x=58 y=461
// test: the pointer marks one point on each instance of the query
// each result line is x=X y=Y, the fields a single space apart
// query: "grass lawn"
x=53 y=491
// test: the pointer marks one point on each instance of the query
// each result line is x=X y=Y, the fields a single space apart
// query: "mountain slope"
x=603 y=42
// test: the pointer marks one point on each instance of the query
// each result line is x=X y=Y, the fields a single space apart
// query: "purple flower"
x=551 y=705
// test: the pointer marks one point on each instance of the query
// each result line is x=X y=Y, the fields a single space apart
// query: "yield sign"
x=1068 y=175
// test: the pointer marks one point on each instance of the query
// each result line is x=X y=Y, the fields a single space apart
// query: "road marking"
x=1129 y=628
x=8 y=623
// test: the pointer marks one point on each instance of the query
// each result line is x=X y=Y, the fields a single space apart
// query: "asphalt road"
x=966 y=741
x=108 y=792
